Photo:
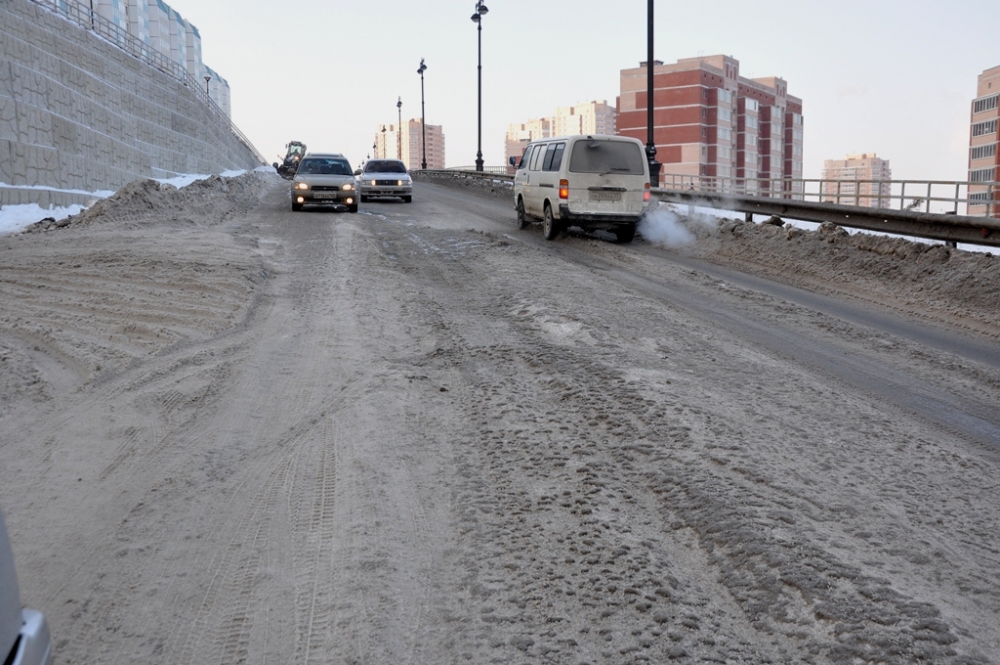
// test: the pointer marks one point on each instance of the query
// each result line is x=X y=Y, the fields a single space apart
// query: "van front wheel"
x=550 y=227
x=522 y=218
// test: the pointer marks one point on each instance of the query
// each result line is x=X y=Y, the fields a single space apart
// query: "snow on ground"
x=14 y=218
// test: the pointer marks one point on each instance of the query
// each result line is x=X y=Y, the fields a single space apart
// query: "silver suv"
x=24 y=633
x=324 y=179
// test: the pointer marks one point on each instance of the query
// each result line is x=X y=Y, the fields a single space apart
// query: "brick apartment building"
x=984 y=146
x=407 y=145
x=854 y=176
x=710 y=121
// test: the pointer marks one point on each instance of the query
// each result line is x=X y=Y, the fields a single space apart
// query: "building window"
x=983 y=151
x=981 y=175
x=986 y=104
x=979 y=196
x=984 y=128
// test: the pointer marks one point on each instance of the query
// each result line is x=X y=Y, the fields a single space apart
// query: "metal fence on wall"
x=87 y=17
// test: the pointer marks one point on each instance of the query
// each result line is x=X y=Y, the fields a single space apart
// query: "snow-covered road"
x=233 y=433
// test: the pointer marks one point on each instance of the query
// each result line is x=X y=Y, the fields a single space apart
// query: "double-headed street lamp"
x=399 y=129
x=477 y=18
x=423 y=117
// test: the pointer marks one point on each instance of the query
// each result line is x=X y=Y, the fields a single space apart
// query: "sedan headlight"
x=399 y=183
x=348 y=187
x=371 y=182
x=301 y=185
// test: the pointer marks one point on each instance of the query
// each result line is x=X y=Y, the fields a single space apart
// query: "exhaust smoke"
x=663 y=227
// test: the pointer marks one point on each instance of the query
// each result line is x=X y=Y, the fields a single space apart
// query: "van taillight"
x=645 y=194
x=564 y=189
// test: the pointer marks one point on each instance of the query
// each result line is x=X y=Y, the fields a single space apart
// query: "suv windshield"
x=384 y=166
x=314 y=166
x=606 y=157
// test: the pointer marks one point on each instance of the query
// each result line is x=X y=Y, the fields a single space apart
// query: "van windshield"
x=607 y=157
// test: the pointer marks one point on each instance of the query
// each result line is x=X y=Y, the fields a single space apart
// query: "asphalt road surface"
x=233 y=433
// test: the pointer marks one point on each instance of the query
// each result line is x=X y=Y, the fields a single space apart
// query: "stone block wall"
x=79 y=114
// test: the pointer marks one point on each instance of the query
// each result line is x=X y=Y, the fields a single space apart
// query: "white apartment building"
x=407 y=144
x=857 y=181
x=584 y=118
x=521 y=134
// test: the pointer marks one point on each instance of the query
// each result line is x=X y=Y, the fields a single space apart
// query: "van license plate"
x=605 y=196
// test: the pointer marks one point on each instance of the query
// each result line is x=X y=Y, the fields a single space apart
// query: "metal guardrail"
x=929 y=196
x=934 y=226
x=86 y=17
x=949 y=227
x=491 y=172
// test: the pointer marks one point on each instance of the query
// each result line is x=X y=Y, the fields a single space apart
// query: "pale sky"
x=885 y=76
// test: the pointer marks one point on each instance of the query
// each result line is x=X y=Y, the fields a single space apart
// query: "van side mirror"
x=512 y=161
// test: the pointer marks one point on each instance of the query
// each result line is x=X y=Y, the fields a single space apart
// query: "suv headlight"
x=348 y=187
x=301 y=185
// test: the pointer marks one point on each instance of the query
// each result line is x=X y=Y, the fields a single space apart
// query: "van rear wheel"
x=522 y=218
x=550 y=226
x=625 y=234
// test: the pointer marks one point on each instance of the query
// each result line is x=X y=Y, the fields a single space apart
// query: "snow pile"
x=16 y=218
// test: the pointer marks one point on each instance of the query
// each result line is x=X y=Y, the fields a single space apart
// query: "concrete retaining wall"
x=78 y=113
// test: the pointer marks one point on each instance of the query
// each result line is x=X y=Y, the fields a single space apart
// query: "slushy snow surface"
x=14 y=218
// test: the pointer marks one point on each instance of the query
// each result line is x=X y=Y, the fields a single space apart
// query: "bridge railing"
x=87 y=17
x=490 y=170
x=974 y=199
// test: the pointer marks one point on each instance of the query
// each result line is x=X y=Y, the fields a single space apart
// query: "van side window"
x=536 y=158
x=553 y=157
x=524 y=158
x=547 y=163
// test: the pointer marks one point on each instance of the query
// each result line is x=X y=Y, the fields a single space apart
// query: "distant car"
x=324 y=179
x=24 y=633
x=385 y=177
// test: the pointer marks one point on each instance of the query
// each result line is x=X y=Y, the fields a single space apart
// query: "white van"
x=590 y=181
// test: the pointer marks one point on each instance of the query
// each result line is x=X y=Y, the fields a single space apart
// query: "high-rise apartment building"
x=520 y=134
x=710 y=121
x=984 y=146
x=407 y=145
x=584 y=118
x=858 y=180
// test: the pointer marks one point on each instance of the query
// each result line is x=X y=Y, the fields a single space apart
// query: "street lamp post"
x=654 y=166
x=423 y=118
x=477 y=18
x=399 y=129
